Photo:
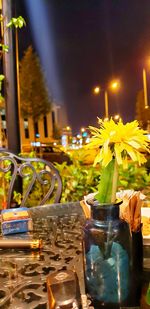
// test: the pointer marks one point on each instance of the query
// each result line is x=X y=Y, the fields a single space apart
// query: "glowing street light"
x=97 y=90
x=106 y=119
x=113 y=86
x=117 y=118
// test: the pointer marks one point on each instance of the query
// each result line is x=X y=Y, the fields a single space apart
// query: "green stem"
x=104 y=194
x=114 y=182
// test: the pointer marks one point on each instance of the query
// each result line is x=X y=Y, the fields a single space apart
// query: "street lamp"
x=117 y=118
x=145 y=83
x=68 y=128
x=113 y=86
x=145 y=88
x=82 y=130
x=97 y=90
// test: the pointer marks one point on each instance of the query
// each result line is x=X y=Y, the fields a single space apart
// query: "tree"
x=142 y=114
x=34 y=98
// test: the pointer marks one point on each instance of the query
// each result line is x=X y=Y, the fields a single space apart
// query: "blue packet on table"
x=16 y=220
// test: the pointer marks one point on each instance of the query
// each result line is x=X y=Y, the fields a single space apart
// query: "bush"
x=78 y=180
x=134 y=177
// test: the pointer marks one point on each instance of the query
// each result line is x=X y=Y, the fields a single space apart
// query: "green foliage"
x=1 y=80
x=148 y=295
x=34 y=97
x=134 y=177
x=147 y=164
x=38 y=190
x=17 y=22
x=4 y=48
x=17 y=197
x=4 y=183
x=78 y=180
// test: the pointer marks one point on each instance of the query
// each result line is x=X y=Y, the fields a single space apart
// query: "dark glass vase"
x=107 y=249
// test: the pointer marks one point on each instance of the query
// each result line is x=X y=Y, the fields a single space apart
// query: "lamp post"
x=145 y=88
x=144 y=75
x=113 y=86
x=106 y=104
x=10 y=72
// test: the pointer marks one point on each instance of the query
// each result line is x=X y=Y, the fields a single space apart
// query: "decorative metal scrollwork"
x=27 y=173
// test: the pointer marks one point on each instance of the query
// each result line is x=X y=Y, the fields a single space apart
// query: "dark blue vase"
x=107 y=249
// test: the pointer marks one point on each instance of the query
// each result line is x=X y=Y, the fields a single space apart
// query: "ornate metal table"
x=23 y=274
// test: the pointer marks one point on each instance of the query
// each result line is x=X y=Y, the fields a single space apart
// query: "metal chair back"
x=31 y=175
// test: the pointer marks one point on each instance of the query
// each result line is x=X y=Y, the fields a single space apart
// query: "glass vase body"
x=107 y=256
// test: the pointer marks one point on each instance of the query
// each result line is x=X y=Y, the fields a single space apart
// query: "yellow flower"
x=118 y=140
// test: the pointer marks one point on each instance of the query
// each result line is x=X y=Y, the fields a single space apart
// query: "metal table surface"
x=23 y=274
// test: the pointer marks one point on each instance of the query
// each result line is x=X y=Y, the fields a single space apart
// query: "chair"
x=31 y=176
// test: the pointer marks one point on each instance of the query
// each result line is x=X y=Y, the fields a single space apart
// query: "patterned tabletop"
x=23 y=273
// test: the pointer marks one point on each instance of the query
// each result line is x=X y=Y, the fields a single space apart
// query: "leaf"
x=1 y=191
x=17 y=197
x=4 y=47
x=148 y=295
x=1 y=77
x=18 y=22
x=105 y=185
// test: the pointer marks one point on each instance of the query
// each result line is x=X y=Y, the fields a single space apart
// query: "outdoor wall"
x=58 y=118
x=26 y=142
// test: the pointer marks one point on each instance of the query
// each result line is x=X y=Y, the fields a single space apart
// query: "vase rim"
x=96 y=203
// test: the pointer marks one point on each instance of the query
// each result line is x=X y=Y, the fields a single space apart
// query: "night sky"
x=82 y=43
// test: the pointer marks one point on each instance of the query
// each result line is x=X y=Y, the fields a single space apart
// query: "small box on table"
x=16 y=220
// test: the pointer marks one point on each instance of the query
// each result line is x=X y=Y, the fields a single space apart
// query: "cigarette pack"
x=16 y=220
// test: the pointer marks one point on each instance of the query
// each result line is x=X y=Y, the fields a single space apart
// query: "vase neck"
x=105 y=212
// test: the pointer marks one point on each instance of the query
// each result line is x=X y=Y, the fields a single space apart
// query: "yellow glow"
x=97 y=90
x=82 y=129
x=116 y=117
x=68 y=128
x=106 y=119
x=114 y=85
x=148 y=62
